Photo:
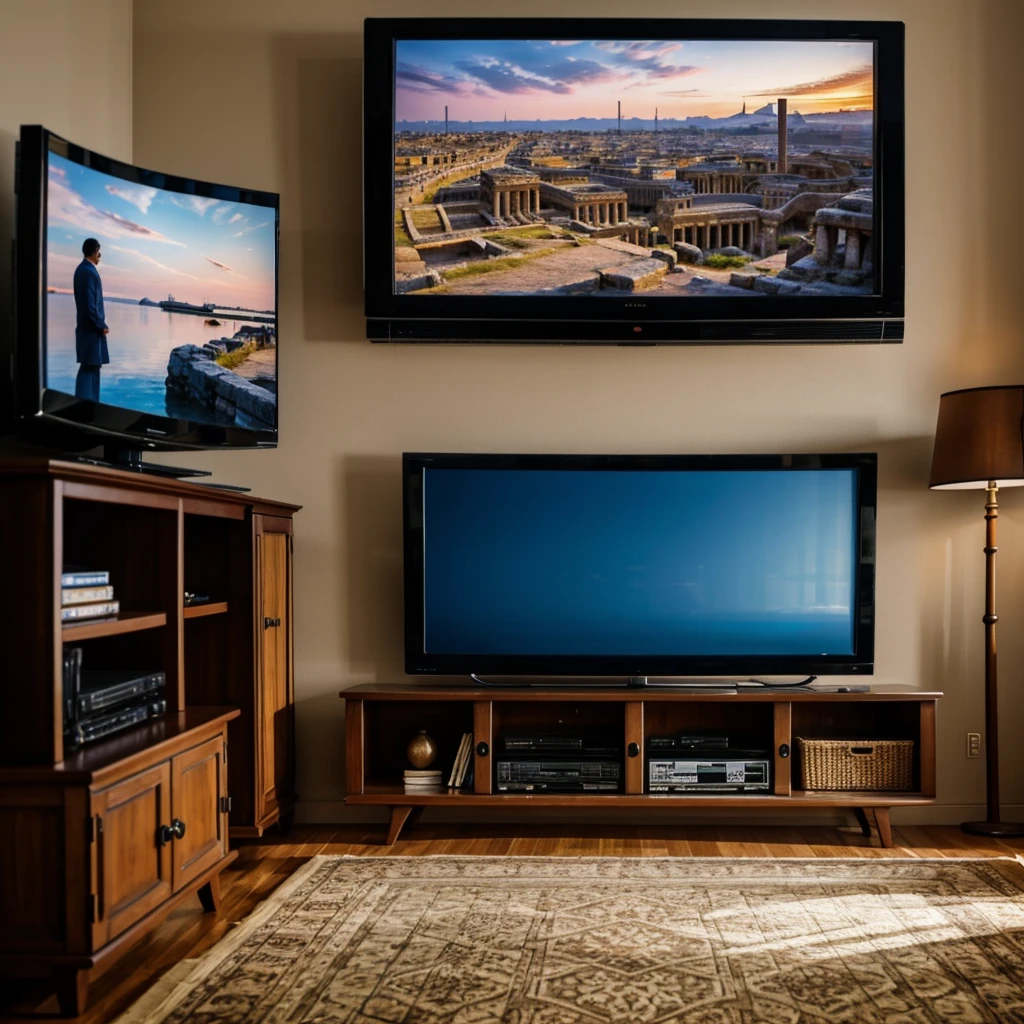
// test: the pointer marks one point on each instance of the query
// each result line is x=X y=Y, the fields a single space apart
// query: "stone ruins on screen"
x=781 y=182
x=194 y=375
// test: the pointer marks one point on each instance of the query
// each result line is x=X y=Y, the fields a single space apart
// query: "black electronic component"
x=568 y=776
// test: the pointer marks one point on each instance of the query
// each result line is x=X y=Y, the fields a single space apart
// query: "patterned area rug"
x=525 y=940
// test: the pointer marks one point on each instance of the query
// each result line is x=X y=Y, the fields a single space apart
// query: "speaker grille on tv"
x=649 y=332
x=804 y=330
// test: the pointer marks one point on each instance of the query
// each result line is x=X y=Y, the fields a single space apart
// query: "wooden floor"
x=263 y=864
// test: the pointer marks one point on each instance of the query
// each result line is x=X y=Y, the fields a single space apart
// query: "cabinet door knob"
x=178 y=828
x=164 y=835
x=482 y=749
x=633 y=750
x=784 y=750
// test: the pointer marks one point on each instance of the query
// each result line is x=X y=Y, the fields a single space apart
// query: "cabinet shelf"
x=126 y=622
x=199 y=611
x=391 y=794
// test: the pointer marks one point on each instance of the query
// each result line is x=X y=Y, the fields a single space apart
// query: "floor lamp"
x=979 y=443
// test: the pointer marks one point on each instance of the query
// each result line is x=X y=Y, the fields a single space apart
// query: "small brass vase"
x=421 y=750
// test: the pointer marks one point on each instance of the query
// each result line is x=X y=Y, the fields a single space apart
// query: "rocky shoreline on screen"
x=194 y=374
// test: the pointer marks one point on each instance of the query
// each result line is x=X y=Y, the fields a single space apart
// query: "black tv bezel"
x=52 y=416
x=420 y=662
x=639 y=319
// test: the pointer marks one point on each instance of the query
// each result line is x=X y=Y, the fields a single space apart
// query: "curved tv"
x=567 y=565
x=633 y=180
x=146 y=304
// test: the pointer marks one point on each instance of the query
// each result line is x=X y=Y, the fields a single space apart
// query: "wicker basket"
x=856 y=764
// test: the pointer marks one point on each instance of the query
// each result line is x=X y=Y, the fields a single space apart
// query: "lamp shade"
x=979 y=439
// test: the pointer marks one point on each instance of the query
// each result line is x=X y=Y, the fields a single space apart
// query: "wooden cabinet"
x=274 y=693
x=198 y=810
x=131 y=861
x=97 y=846
x=381 y=718
x=102 y=846
x=244 y=562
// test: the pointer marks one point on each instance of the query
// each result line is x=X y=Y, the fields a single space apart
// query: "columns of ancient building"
x=822 y=249
x=852 y=260
x=496 y=197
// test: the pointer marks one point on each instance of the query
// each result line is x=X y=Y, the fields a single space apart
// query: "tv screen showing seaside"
x=185 y=324
x=677 y=168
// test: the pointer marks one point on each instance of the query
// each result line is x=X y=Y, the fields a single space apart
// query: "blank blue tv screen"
x=622 y=562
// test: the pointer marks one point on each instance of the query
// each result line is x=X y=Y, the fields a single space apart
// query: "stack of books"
x=426 y=781
x=462 y=770
x=86 y=594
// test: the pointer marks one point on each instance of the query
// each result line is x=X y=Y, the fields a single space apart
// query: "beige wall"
x=68 y=66
x=267 y=95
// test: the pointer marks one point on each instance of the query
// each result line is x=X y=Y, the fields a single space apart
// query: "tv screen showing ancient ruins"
x=159 y=301
x=677 y=168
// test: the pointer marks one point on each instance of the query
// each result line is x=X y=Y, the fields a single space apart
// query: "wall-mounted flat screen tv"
x=146 y=304
x=633 y=181
x=567 y=565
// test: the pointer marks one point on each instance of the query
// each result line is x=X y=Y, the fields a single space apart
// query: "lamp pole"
x=991 y=826
x=979 y=444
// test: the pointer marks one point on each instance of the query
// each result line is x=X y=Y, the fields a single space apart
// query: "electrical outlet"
x=974 y=744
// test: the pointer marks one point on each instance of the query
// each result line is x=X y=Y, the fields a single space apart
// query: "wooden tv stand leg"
x=399 y=816
x=72 y=987
x=884 y=829
x=863 y=820
x=881 y=816
x=209 y=895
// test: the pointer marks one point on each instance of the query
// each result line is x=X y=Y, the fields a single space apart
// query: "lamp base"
x=995 y=829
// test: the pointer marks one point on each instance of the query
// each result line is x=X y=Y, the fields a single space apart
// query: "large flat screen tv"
x=635 y=566
x=146 y=304
x=633 y=181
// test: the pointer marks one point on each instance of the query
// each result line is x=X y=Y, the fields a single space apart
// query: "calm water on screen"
x=140 y=343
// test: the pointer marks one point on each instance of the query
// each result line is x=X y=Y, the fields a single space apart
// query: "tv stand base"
x=118 y=457
x=403 y=815
x=380 y=718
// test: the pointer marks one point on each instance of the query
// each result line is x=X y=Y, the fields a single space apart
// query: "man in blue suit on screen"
x=90 y=327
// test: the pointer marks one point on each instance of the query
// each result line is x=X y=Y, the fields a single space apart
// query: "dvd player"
x=100 y=726
x=565 y=776
x=103 y=689
x=687 y=742
x=723 y=771
x=553 y=743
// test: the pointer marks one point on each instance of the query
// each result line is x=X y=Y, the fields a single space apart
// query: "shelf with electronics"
x=112 y=830
x=382 y=718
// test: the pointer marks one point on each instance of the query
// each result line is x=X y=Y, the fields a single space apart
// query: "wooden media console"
x=382 y=718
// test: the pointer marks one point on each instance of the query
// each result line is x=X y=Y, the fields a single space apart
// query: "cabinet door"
x=133 y=867
x=274 y=700
x=198 y=781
